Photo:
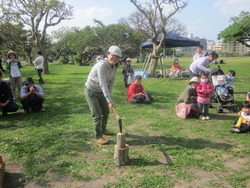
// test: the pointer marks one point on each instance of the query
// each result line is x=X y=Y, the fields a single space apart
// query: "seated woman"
x=136 y=92
x=187 y=104
x=176 y=68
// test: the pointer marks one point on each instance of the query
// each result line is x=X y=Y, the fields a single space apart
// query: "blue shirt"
x=24 y=90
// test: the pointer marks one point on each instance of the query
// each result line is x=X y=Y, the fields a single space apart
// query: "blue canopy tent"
x=172 y=40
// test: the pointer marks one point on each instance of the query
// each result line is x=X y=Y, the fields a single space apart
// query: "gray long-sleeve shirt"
x=101 y=78
x=200 y=64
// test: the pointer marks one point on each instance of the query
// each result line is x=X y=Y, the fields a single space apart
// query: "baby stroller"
x=221 y=94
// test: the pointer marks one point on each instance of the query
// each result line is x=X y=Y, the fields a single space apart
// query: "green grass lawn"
x=57 y=148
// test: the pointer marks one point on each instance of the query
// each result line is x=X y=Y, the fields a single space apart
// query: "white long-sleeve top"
x=38 y=62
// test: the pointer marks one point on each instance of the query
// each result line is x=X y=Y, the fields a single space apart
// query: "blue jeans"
x=11 y=107
x=193 y=74
x=206 y=107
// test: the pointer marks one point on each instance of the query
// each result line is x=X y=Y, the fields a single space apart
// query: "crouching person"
x=32 y=96
x=6 y=99
x=136 y=92
x=186 y=105
x=243 y=123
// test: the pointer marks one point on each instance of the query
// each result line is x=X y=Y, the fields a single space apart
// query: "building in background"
x=231 y=47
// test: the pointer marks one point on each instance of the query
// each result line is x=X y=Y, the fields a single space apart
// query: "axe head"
x=120 y=124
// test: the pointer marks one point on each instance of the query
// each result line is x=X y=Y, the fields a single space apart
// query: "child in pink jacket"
x=204 y=90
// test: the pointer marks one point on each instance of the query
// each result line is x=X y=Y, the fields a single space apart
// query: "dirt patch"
x=236 y=164
x=203 y=179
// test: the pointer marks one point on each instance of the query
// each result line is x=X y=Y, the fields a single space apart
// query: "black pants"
x=243 y=128
x=142 y=99
x=11 y=107
x=34 y=102
x=40 y=78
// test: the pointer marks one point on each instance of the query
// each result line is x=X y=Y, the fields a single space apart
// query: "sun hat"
x=176 y=60
x=29 y=80
x=115 y=50
x=194 y=79
x=11 y=52
x=128 y=59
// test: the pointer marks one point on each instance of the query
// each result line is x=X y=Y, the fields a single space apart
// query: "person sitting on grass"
x=186 y=105
x=136 y=92
x=243 y=123
x=6 y=99
x=32 y=96
x=176 y=68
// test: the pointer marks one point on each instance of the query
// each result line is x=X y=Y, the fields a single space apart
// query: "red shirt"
x=134 y=89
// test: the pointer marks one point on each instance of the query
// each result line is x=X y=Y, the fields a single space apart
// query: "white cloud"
x=232 y=7
x=83 y=17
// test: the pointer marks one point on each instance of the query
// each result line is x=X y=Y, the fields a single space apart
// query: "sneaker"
x=102 y=141
x=25 y=111
x=42 y=110
x=202 y=117
x=107 y=132
x=235 y=130
x=207 y=117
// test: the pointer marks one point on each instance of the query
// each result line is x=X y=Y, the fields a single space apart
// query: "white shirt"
x=38 y=62
x=14 y=70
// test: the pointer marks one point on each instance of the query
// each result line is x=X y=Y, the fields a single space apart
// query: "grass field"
x=57 y=148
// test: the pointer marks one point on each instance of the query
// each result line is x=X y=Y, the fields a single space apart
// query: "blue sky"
x=202 y=18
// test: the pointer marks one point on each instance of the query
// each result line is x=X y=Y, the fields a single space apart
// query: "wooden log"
x=121 y=156
x=120 y=141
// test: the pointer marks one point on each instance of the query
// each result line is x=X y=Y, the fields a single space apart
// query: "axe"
x=119 y=119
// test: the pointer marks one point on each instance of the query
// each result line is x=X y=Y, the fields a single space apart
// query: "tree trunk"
x=46 y=64
x=153 y=62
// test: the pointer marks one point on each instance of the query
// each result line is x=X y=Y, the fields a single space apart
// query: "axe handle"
x=116 y=115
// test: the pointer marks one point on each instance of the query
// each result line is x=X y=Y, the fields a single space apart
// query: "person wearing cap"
x=186 y=105
x=6 y=99
x=200 y=64
x=15 y=78
x=98 y=89
x=136 y=92
x=38 y=62
x=127 y=72
x=32 y=96
x=176 y=68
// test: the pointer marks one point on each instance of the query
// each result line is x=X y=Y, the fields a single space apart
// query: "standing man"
x=38 y=62
x=32 y=96
x=6 y=99
x=98 y=89
x=198 y=53
x=201 y=64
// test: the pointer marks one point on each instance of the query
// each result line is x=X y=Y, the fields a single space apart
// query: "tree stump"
x=121 y=156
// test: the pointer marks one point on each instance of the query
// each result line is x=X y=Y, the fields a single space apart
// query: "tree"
x=239 y=31
x=156 y=18
x=15 y=37
x=38 y=14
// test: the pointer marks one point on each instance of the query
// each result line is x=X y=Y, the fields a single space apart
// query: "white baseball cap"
x=115 y=50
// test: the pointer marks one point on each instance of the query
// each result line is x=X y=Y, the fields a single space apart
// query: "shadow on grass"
x=163 y=144
x=196 y=144
x=12 y=180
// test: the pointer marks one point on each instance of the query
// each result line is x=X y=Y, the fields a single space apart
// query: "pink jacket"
x=206 y=86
